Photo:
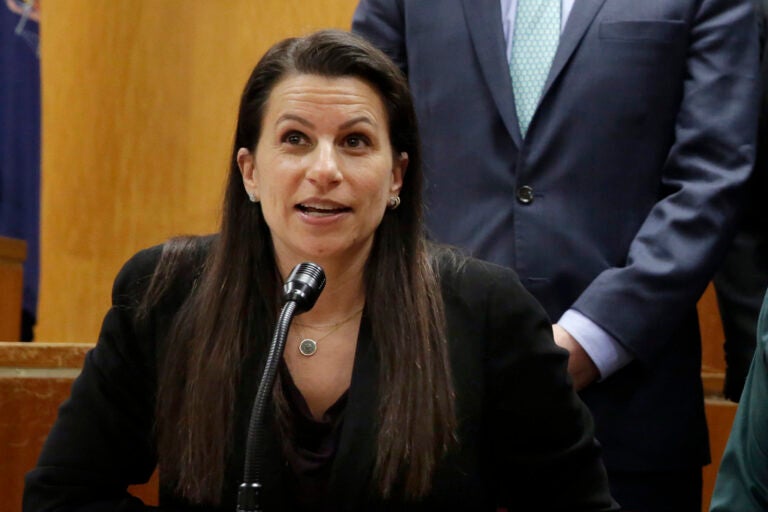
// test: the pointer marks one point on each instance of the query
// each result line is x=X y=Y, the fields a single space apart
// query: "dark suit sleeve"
x=381 y=22
x=545 y=456
x=103 y=438
x=743 y=276
x=685 y=234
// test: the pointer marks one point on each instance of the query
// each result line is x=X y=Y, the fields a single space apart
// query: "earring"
x=394 y=202
x=252 y=197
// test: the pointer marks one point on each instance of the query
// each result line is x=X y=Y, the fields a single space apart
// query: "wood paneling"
x=720 y=412
x=720 y=415
x=12 y=255
x=39 y=355
x=712 y=354
x=34 y=379
x=139 y=104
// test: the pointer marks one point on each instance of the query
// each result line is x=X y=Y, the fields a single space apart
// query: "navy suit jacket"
x=621 y=199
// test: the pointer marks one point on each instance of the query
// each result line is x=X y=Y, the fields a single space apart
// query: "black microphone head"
x=304 y=285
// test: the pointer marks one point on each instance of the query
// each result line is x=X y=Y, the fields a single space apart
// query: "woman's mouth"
x=321 y=210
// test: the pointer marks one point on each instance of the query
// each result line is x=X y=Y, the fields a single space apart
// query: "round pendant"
x=308 y=347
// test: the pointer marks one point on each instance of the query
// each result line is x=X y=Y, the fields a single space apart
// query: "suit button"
x=525 y=194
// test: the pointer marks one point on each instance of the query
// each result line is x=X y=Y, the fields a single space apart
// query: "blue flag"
x=20 y=140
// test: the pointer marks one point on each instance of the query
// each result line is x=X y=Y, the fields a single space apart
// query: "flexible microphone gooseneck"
x=300 y=292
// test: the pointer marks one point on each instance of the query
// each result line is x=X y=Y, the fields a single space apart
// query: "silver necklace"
x=308 y=346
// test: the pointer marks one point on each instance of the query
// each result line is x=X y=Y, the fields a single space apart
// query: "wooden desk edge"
x=13 y=249
x=42 y=355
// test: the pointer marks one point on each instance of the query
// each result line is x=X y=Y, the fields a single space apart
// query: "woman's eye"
x=357 y=141
x=294 y=138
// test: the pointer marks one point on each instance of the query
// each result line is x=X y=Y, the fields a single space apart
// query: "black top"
x=525 y=440
x=313 y=446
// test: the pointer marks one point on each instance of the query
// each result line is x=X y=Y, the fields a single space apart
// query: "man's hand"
x=583 y=371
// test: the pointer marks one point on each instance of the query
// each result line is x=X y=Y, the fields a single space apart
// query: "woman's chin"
x=325 y=253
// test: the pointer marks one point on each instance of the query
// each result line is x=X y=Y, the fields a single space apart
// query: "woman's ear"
x=247 y=165
x=398 y=172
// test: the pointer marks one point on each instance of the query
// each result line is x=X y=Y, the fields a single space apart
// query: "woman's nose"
x=324 y=169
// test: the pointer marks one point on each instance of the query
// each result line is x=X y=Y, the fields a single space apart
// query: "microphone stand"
x=300 y=291
x=250 y=489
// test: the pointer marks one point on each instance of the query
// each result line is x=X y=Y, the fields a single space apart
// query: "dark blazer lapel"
x=484 y=23
x=351 y=476
x=582 y=14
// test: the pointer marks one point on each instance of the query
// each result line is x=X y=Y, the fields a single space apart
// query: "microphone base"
x=248 y=497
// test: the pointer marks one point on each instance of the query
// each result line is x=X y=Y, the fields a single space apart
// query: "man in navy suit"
x=741 y=281
x=613 y=192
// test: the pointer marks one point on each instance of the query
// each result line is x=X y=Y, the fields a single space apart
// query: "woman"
x=430 y=381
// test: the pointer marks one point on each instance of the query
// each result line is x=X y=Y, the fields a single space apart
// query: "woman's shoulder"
x=160 y=269
x=457 y=270
x=483 y=288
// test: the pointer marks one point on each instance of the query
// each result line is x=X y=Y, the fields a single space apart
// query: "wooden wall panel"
x=13 y=252
x=720 y=412
x=712 y=337
x=139 y=103
x=34 y=379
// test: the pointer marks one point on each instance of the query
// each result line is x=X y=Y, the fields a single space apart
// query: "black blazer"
x=526 y=440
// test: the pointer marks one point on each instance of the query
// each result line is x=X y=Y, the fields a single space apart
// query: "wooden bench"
x=35 y=378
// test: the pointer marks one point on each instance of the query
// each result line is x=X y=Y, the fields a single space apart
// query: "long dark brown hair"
x=216 y=326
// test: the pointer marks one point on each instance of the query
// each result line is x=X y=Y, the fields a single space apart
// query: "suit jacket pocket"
x=661 y=31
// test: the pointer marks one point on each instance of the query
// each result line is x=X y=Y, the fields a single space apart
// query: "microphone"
x=303 y=286
x=300 y=292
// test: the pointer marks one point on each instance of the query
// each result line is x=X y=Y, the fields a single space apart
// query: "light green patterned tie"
x=537 y=31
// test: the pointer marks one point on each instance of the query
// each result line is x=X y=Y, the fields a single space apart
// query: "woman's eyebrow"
x=355 y=120
x=294 y=117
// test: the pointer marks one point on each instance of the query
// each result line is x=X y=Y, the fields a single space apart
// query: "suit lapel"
x=484 y=22
x=582 y=14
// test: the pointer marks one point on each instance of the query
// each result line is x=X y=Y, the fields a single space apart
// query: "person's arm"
x=545 y=452
x=679 y=245
x=742 y=480
x=381 y=22
x=103 y=439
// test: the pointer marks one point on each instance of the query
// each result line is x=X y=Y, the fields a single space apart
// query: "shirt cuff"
x=605 y=351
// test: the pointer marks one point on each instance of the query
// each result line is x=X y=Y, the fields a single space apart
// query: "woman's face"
x=323 y=168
